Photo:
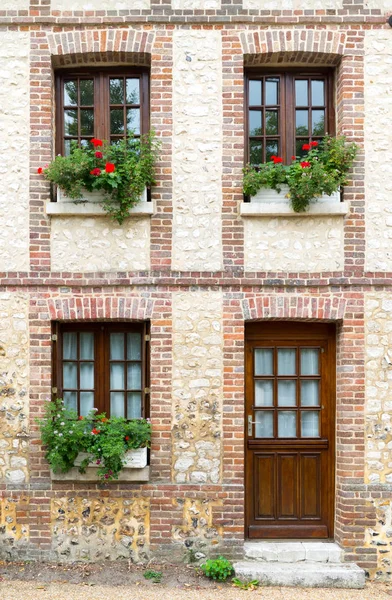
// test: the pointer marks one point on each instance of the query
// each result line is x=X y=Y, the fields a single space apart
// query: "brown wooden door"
x=290 y=422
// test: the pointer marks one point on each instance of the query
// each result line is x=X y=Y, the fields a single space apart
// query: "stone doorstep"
x=302 y=574
x=293 y=552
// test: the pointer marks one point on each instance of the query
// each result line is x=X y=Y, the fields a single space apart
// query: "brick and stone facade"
x=196 y=270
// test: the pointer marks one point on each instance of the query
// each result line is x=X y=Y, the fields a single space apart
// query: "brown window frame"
x=101 y=361
x=101 y=105
x=286 y=104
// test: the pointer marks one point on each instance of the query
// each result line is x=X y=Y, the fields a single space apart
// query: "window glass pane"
x=301 y=122
x=318 y=125
x=87 y=376
x=70 y=93
x=117 y=376
x=70 y=400
x=287 y=424
x=271 y=122
x=287 y=393
x=86 y=346
x=70 y=346
x=264 y=424
x=134 y=346
x=310 y=425
x=301 y=92
x=87 y=122
x=85 y=143
x=271 y=149
x=271 y=91
x=67 y=147
x=256 y=152
x=133 y=120
x=116 y=91
x=264 y=364
x=71 y=122
x=116 y=346
x=298 y=147
x=87 y=92
x=255 y=93
x=134 y=376
x=132 y=91
x=264 y=392
x=310 y=393
x=134 y=405
x=70 y=375
x=86 y=402
x=309 y=361
x=117 y=404
x=117 y=121
x=286 y=361
x=255 y=125
x=317 y=93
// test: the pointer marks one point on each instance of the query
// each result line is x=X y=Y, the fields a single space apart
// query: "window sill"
x=91 y=475
x=90 y=205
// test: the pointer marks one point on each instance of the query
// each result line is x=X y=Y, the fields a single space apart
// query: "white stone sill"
x=90 y=209
x=91 y=476
x=279 y=209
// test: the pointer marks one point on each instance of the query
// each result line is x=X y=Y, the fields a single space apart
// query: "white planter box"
x=90 y=205
x=268 y=196
x=94 y=197
x=134 y=459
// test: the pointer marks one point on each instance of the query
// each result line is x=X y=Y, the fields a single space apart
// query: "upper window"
x=103 y=366
x=107 y=104
x=286 y=110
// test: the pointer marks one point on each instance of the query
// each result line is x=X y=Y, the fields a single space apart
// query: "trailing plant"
x=322 y=170
x=106 y=441
x=122 y=171
x=217 y=568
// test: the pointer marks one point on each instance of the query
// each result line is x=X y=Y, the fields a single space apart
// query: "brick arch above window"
x=309 y=308
x=103 y=308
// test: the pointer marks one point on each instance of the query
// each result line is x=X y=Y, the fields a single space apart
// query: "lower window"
x=102 y=366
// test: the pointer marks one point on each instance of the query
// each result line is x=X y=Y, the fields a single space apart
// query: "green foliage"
x=322 y=171
x=217 y=568
x=133 y=161
x=104 y=440
x=155 y=576
x=245 y=585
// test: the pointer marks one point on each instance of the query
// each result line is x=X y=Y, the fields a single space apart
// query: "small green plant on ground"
x=217 y=568
x=154 y=576
x=245 y=585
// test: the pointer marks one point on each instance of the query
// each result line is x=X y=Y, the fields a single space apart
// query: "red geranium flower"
x=109 y=167
x=95 y=431
x=305 y=164
x=95 y=171
x=126 y=438
x=306 y=147
x=277 y=160
x=81 y=418
x=96 y=142
x=314 y=144
x=293 y=158
x=104 y=419
x=98 y=155
x=39 y=170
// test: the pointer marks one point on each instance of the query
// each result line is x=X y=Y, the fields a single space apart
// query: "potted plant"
x=321 y=171
x=121 y=172
x=94 y=440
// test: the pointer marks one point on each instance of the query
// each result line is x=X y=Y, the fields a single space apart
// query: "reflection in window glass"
x=264 y=392
x=255 y=93
x=255 y=122
x=264 y=424
x=287 y=424
x=271 y=91
x=301 y=92
x=264 y=364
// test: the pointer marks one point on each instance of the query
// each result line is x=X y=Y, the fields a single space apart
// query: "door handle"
x=250 y=425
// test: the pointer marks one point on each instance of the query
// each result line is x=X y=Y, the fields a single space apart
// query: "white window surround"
x=270 y=203
x=90 y=205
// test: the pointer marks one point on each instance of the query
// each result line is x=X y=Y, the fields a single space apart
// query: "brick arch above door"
x=328 y=308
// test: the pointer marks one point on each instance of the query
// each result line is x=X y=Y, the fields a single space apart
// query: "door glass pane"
x=116 y=92
x=255 y=93
x=301 y=93
x=301 y=122
x=86 y=122
x=116 y=121
x=271 y=149
x=287 y=393
x=87 y=376
x=264 y=426
x=133 y=120
x=70 y=93
x=134 y=405
x=87 y=92
x=271 y=91
x=256 y=152
x=134 y=346
x=86 y=402
x=70 y=400
x=70 y=375
x=116 y=346
x=286 y=361
x=117 y=404
x=318 y=126
x=71 y=122
x=264 y=392
x=255 y=122
x=132 y=91
x=134 y=376
x=287 y=424
x=264 y=364
x=70 y=346
x=310 y=393
x=310 y=425
x=309 y=361
x=117 y=376
x=317 y=93
x=271 y=122
x=86 y=346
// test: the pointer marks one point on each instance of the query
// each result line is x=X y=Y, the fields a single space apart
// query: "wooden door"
x=290 y=422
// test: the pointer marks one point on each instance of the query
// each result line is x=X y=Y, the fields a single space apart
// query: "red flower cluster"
x=306 y=147
x=276 y=159
x=39 y=170
x=314 y=144
x=305 y=164
x=95 y=171
x=98 y=155
x=293 y=158
x=104 y=419
x=96 y=142
x=81 y=418
x=109 y=167
x=95 y=431
x=310 y=146
x=126 y=438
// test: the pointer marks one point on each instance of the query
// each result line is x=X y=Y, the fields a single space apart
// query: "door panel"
x=290 y=386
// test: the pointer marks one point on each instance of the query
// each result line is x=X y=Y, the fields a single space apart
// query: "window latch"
x=147 y=390
x=54 y=337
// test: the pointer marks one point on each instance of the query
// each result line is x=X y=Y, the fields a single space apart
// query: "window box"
x=269 y=202
x=134 y=459
x=90 y=205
